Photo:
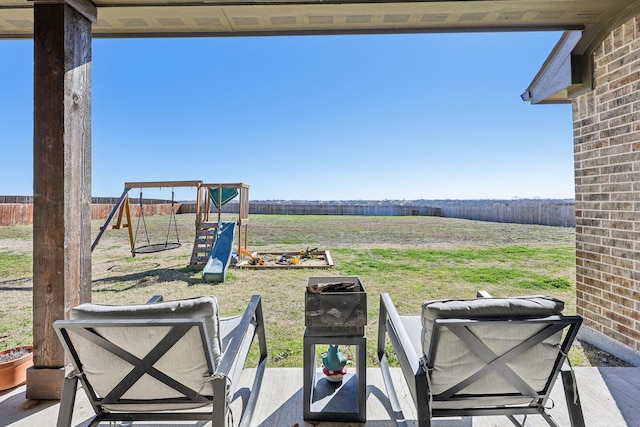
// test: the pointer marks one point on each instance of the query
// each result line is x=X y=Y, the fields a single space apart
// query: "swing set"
x=207 y=194
x=149 y=247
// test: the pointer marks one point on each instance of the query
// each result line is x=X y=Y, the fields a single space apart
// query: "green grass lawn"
x=412 y=258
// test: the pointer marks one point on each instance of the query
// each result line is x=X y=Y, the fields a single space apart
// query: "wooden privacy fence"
x=533 y=212
x=541 y=212
x=16 y=213
x=19 y=210
x=340 y=209
x=102 y=211
x=21 y=213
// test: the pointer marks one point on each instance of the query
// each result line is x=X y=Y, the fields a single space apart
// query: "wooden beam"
x=162 y=184
x=226 y=185
x=61 y=184
x=85 y=7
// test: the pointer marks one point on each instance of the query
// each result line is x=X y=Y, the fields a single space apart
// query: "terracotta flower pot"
x=14 y=372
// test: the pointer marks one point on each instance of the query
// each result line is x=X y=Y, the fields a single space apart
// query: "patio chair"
x=483 y=356
x=168 y=361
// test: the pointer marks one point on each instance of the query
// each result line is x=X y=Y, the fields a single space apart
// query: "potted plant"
x=14 y=363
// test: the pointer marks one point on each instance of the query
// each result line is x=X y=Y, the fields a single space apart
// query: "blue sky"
x=423 y=116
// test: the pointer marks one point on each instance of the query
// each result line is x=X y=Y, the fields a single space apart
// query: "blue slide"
x=216 y=268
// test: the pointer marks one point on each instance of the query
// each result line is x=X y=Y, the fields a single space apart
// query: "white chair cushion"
x=454 y=361
x=185 y=361
x=526 y=306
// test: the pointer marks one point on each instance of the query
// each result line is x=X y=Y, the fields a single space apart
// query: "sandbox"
x=278 y=260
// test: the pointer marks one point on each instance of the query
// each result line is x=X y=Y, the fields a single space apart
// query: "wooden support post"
x=127 y=209
x=62 y=180
x=198 y=206
x=121 y=210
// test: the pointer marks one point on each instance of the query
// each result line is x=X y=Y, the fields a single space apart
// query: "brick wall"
x=607 y=182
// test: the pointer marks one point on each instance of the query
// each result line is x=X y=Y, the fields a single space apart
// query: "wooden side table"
x=337 y=316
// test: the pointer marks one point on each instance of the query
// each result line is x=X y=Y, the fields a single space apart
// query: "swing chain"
x=149 y=248
x=144 y=224
x=175 y=223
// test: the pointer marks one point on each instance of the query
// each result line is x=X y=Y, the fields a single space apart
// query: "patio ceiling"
x=153 y=18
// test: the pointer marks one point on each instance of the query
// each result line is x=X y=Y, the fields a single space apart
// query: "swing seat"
x=150 y=248
x=156 y=247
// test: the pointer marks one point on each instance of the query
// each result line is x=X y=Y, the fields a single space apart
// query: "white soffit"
x=153 y=18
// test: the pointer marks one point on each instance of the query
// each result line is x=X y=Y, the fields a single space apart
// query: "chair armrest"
x=252 y=314
x=391 y=323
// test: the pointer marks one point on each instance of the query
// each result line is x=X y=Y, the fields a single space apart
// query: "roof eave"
x=563 y=75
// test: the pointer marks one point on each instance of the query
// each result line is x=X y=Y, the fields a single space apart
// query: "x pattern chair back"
x=494 y=362
x=179 y=327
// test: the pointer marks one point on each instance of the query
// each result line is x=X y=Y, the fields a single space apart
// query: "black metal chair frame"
x=413 y=368
x=234 y=357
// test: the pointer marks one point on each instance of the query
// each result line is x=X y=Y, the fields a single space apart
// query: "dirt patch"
x=19 y=246
x=598 y=357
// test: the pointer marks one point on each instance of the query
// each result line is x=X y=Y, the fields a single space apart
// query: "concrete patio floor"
x=609 y=399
